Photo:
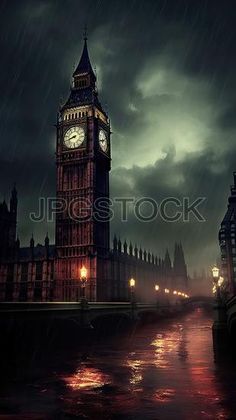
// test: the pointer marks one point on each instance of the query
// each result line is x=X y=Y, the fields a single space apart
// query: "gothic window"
x=39 y=270
x=24 y=271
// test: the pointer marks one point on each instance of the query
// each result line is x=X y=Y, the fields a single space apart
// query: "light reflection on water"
x=86 y=378
x=163 y=371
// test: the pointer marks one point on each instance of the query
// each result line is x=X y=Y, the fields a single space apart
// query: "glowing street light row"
x=157 y=289
x=175 y=292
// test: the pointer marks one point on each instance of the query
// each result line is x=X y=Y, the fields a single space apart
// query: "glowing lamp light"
x=167 y=291
x=157 y=287
x=215 y=272
x=179 y=293
x=175 y=292
x=83 y=272
x=132 y=283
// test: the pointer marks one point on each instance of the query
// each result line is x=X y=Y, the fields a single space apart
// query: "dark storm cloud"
x=166 y=77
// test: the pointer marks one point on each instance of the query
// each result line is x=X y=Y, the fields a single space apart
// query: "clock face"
x=74 y=137
x=103 y=140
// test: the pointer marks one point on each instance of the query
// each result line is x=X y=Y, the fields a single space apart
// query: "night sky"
x=166 y=76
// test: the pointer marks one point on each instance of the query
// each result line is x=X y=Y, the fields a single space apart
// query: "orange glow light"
x=132 y=283
x=83 y=272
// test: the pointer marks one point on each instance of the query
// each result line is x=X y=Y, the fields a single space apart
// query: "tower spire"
x=84 y=67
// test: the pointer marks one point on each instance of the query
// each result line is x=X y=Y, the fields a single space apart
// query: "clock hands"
x=72 y=137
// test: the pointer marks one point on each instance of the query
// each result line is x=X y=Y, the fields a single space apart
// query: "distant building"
x=227 y=241
x=51 y=272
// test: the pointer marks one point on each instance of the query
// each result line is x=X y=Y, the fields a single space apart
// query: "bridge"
x=200 y=300
x=86 y=314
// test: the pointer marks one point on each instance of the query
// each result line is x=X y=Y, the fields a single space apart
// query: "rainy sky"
x=166 y=77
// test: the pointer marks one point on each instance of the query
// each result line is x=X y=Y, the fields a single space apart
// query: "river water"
x=160 y=371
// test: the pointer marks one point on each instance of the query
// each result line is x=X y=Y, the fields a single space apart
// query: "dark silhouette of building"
x=227 y=241
x=180 y=268
x=83 y=159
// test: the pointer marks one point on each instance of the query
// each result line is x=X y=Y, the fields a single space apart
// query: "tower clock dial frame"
x=103 y=140
x=74 y=137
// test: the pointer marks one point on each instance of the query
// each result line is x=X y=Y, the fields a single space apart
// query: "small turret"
x=140 y=253
x=13 y=201
x=130 y=249
x=167 y=262
x=17 y=242
x=119 y=245
x=4 y=207
x=145 y=255
x=115 y=244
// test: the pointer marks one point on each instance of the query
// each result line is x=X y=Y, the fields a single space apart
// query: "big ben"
x=83 y=159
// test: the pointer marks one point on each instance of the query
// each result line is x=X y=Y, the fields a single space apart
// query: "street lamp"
x=217 y=281
x=215 y=272
x=167 y=291
x=132 y=299
x=132 y=283
x=157 y=288
x=132 y=286
x=83 y=280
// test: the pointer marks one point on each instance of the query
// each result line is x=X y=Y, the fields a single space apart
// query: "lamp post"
x=132 y=296
x=167 y=292
x=83 y=280
x=219 y=328
x=216 y=286
x=157 y=288
x=84 y=307
x=132 y=287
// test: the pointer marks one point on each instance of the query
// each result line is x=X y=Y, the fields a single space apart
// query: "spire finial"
x=85 y=32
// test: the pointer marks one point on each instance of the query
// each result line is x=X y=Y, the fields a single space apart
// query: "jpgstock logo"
x=103 y=209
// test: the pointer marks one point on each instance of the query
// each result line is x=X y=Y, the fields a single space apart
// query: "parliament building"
x=52 y=272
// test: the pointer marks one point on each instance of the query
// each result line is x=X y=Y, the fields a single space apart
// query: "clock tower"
x=83 y=163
